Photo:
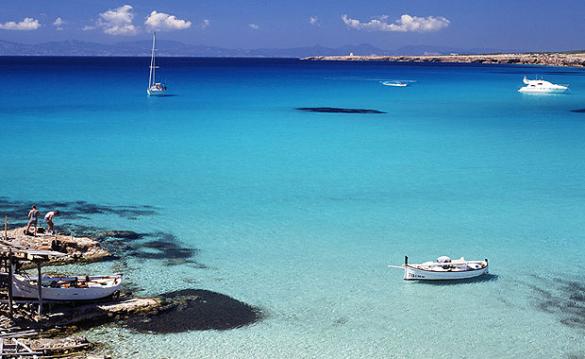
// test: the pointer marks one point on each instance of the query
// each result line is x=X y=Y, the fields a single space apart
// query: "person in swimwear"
x=49 y=219
x=33 y=219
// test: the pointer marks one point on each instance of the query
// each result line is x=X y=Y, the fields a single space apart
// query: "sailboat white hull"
x=156 y=92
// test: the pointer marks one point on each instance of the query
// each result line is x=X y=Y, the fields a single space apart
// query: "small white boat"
x=154 y=88
x=66 y=288
x=541 y=86
x=444 y=268
x=394 y=83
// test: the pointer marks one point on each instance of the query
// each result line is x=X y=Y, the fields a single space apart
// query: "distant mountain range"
x=175 y=49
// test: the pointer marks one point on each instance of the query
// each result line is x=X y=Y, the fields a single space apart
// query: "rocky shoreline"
x=78 y=249
x=546 y=59
x=54 y=334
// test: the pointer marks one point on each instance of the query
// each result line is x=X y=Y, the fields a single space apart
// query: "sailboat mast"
x=152 y=75
x=154 y=57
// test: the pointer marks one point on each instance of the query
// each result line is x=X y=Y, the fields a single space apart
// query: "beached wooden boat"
x=444 y=268
x=67 y=288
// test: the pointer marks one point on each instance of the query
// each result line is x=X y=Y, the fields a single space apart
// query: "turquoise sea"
x=299 y=213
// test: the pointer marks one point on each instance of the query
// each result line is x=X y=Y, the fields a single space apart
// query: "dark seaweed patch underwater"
x=564 y=298
x=197 y=309
x=125 y=243
x=339 y=110
x=188 y=309
x=17 y=210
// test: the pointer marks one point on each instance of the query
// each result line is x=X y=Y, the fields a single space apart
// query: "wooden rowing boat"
x=444 y=268
x=67 y=288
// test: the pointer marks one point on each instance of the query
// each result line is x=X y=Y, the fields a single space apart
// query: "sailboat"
x=154 y=88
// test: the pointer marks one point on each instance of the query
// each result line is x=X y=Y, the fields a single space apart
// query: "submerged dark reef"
x=17 y=210
x=338 y=110
x=579 y=110
x=121 y=243
x=562 y=297
x=124 y=243
x=197 y=309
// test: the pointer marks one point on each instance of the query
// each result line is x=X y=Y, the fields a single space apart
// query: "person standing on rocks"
x=33 y=220
x=49 y=219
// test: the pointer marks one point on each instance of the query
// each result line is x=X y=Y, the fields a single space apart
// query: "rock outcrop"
x=78 y=249
x=548 y=59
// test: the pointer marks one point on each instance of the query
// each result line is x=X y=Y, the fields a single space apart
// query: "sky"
x=535 y=25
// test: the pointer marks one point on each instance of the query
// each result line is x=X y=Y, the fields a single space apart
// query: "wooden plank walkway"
x=17 y=349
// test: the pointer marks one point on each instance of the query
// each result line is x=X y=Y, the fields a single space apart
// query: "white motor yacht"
x=541 y=86
x=394 y=83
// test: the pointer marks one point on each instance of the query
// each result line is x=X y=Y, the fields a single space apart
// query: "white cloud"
x=205 y=24
x=313 y=20
x=254 y=26
x=406 y=23
x=25 y=25
x=58 y=23
x=117 y=21
x=159 y=21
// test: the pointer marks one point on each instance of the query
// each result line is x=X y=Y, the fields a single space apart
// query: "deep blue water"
x=300 y=213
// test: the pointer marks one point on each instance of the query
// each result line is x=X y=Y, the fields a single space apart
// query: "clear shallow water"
x=299 y=213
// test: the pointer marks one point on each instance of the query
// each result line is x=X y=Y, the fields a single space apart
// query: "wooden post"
x=5 y=228
x=40 y=288
x=10 y=279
